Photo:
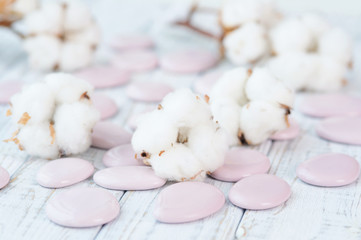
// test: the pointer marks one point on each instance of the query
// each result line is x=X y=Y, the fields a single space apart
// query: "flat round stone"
x=104 y=77
x=64 y=172
x=241 y=162
x=83 y=207
x=105 y=105
x=107 y=135
x=341 y=129
x=203 y=85
x=128 y=178
x=8 y=89
x=188 y=61
x=122 y=155
x=148 y=91
x=188 y=201
x=329 y=170
x=289 y=133
x=136 y=61
x=260 y=191
x=330 y=105
x=131 y=42
x=4 y=177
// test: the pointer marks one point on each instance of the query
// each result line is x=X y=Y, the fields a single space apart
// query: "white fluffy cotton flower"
x=246 y=44
x=179 y=139
x=250 y=105
x=55 y=117
x=64 y=32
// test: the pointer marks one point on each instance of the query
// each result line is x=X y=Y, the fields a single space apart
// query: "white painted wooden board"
x=311 y=213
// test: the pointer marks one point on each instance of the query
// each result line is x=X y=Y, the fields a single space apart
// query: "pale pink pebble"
x=83 y=207
x=260 y=191
x=136 y=61
x=128 y=178
x=8 y=89
x=104 y=77
x=148 y=91
x=239 y=163
x=341 y=129
x=329 y=170
x=64 y=172
x=122 y=155
x=188 y=61
x=4 y=177
x=289 y=133
x=107 y=135
x=131 y=42
x=203 y=85
x=105 y=105
x=330 y=105
x=188 y=201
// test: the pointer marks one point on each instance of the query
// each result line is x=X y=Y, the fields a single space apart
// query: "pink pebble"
x=258 y=192
x=4 y=177
x=148 y=91
x=105 y=105
x=329 y=170
x=8 y=89
x=131 y=42
x=203 y=85
x=289 y=133
x=128 y=178
x=136 y=61
x=188 y=201
x=188 y=61
x=107 y=135
x=240 y=163
x=122 y=155
x=341 y=129
x=104 y=77
x=83 y=207
x=64 y=172
x=330 y=105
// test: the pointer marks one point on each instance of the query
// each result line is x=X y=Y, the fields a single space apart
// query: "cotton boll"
x=263 y=85
x=77 y=16
x=88 y=36
x=43 y=50
x=231 y=86
x=75 y=55
x=291 y=35
x=317 y=25
x=270 y=15
x=246 y=44
x=37 y=140
x=337 y=44
x=177 y=163
x=260 y=119
x=24 y=6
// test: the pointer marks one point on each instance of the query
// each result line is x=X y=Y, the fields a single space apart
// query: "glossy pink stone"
x=104 y=77
x=128 y=178
x=148 y=91
x=188 y=201
x=64 y=172
x=240 y=163
x=258 y=192
x=341 y=129
x=83 y=207
x=4 y=177
x=330 y=105
x=136 y=61
x=188 y=61
x=8 y=89
x=203 y=85
x=131 y=42
x=107 y=135
x=289 y=133
x=122 y=155
x=329 y=170
x=105 y=105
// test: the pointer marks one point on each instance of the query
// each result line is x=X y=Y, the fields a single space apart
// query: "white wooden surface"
x=310 y=213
